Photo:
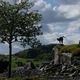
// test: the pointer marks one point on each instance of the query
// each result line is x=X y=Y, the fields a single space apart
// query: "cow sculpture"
x=60 y=39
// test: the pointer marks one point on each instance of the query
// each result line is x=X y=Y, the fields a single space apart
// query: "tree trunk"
x=10 y=58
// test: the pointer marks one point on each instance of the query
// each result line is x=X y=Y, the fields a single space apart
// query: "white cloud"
x=74 y=26
x=73 y=29
x=69 y=11
x=49 y=38
x=70 y=1
x=41 y=5
x=56 y=27
x=72 y=38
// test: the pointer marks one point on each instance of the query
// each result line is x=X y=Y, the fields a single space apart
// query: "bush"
x=76 y=52
x=69 y=48
x=3 y=65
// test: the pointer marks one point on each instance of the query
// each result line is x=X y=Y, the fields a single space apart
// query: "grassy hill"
x=35 y=53
x=40 y=54
x=74 y=49
x=44 y=52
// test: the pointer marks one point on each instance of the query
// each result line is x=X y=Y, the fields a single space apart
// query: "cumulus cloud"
x=73 y=29
x=60 y=20
x=69 y=11
x=48 y=38
x=51 y=38
x=69 y=1
x=41 y=5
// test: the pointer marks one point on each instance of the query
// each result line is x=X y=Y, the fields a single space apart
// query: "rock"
x=29 y=66
x=56 y=55
x=43 y=66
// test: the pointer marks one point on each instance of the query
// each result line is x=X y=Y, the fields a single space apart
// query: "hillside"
x=41 y=51
x=39 y=55
x=44 y=52
x=74 y=49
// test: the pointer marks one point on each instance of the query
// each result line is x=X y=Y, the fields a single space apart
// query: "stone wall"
x=64 y=58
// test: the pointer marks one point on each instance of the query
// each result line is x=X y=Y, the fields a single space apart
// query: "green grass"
x=15 y=60
x=34 y=78
x=69 y=48
x=23 y=60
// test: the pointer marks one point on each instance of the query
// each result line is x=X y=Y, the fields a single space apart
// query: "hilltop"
x=39 y=52
x=44 y=51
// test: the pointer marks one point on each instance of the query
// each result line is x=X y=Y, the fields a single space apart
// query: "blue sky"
x=60 y=18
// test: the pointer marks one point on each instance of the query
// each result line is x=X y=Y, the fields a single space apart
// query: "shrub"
x=3 y=65
x=76 y=52
x=68 y=48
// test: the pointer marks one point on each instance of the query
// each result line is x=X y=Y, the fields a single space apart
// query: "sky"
x=59 y=18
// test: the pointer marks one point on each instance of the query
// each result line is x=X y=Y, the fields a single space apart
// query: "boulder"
x=29 y=66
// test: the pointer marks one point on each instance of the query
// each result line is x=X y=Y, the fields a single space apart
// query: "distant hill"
x=3 y=57
x=40 y=55
x=43 y=51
